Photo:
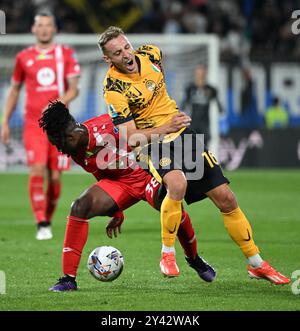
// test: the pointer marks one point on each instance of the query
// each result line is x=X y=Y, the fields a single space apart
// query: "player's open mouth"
x=129 y=65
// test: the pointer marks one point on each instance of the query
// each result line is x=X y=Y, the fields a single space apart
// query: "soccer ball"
x=105 y=263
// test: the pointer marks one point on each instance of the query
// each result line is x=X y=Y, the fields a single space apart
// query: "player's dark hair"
x=110 y=33
x=44 y=14
x=275 y=100
x=56 y=119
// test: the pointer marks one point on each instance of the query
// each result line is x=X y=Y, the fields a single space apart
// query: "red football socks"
x=53 y=193
x=186 y=236
x=37 y=198
x=75 y=238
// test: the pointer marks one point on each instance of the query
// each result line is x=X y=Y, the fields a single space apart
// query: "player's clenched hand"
x=5 y=133
x=113 y=226
x=179 y=121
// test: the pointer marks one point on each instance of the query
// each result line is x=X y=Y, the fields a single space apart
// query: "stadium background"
x=259 y=58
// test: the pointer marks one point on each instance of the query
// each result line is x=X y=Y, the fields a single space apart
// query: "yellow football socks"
x=170 y=217
x=240 y=231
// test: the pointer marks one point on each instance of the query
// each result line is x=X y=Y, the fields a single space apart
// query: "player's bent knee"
x=94 y=202
x=228 y=202
x=37 y=170
x=176 y=185
x=81 y=207
x=87 y=206
x=177 y=192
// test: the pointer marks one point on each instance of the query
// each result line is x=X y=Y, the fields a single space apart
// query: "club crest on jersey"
x=29 y=63
x=150 y=85
x=155 y=68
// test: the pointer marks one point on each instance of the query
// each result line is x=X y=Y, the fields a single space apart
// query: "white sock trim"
x=255 y=260
x=167 y=249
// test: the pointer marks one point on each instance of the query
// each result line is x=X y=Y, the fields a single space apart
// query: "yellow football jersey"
x=142 y=96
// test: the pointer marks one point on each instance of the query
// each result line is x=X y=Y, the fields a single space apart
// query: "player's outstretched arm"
x=9 y=108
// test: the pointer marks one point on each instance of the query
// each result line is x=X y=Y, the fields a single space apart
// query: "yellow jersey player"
x=136 y=96
x=137 y=99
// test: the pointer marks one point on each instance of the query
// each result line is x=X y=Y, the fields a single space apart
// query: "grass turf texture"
x=269 y=198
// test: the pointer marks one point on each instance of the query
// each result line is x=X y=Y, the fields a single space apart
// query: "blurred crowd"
x=247 y=28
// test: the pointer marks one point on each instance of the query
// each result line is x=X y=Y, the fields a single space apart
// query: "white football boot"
x=44 y=233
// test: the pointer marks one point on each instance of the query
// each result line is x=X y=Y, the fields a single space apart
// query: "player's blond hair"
x=110 y=33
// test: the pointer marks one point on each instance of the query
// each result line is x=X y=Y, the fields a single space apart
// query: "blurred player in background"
x=276 y=116
x=137 y=98
x=197 y=100
x=94 y=145
x=49 y=71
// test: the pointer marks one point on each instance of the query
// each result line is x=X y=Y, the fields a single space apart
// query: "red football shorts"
x=151 y=191
x=40 y=151
x=127 y=190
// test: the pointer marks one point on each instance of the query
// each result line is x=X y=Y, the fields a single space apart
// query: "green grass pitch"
x=270 y=199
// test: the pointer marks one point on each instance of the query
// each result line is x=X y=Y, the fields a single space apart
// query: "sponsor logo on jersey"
x=45 y=76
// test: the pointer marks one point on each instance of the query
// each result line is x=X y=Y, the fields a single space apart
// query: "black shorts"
x=187 y=153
